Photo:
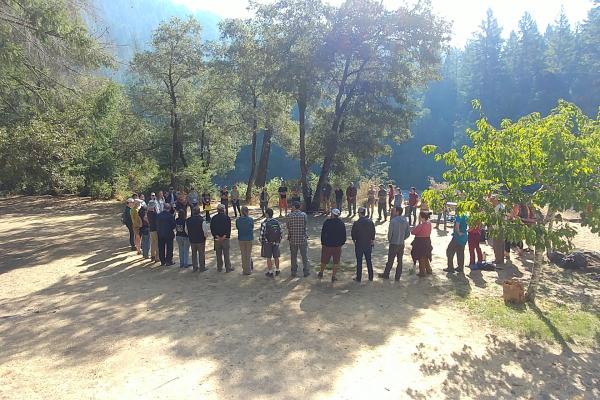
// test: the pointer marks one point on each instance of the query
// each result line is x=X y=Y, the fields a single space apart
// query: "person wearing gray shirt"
x=398 y=232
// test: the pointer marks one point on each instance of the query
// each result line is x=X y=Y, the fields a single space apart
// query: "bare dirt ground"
x=82 y=317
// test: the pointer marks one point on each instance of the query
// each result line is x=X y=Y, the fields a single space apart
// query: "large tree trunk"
x=303 y=166
x=330 y=151
x=174 y=148
x=265 y=152
x=252 y=159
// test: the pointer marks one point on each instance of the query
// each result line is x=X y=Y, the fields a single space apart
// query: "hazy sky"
x=465 y=14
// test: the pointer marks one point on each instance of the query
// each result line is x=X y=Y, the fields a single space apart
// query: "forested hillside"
x=128 y=95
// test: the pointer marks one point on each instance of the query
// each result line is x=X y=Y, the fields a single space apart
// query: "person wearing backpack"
x=197 y=237
x=270 y=239
x=398 y=232
x=245 y=228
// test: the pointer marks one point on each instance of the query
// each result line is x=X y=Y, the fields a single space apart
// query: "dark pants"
x=226 y=204
x=396 y=251
x=381 y=207
x=236 y=207
x=263 y=207
x=455 y=248
x=198 y=256
x=412 y=215
x=165 y=249
x=338 y=204
x=131 y=236
x=352 y=206
x=359 y=257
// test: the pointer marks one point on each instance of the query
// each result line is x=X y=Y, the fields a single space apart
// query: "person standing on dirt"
x=371 y=202
x=193 y=198
x=182 y=238
x=160 y=202
x=398 y=232
x=421 y=245
x=283 y=203
x=235 y=201
x=333 y=237
x=220 y=227
x=126 y=220
x=382 y=195
x=152 y=217
x=270 y=239
x=245 y=228
x=298 y=239
x=391 y=195
x=145 y=232
x=363 y=235
x=326 y=196
x=136 y=223
x=225 y=200
x=197 y=238
x=413 y=200
x=457 y=245
x=339 y=197
x=264 y=201
x=165 y=226
x=351 y=197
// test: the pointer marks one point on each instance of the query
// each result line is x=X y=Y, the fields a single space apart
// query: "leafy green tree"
x=374 y=59
x=165 y=72
x=549 y=163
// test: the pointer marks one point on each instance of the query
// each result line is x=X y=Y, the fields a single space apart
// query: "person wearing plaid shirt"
x=296 y=227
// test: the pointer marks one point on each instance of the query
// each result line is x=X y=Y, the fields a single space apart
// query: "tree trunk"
x=265 y=152
x=330 y=150
x=252 y=162
x=536 y=273
x=303 y=166
x=174 y=148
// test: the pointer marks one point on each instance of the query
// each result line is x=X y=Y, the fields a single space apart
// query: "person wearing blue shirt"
x=457 y=245
x=245 y=228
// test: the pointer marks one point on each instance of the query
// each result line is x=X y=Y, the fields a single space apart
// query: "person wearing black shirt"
x=283 y=204
x=333 y=237
x=152 y=217
x=220 y=227
x=264 y=201
x=197 y=240
x=351 y=197
x=363 y=235
x=225 y=199
x=126 y=220
x=339 y=198
x=326 y=197
x=165 y=224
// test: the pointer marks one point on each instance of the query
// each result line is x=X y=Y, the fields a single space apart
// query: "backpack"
x=272 y=231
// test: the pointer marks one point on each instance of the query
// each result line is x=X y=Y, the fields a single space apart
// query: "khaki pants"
x=154 y=245
x=198 y=256
x=246 y=251
x=222 y=250
x=498 y=247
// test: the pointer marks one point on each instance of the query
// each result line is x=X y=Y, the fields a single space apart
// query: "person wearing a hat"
x=126 y=220
x=220 y=227
x=298 y=239
x=333 y=237
x=363 y=235
x=398 y=232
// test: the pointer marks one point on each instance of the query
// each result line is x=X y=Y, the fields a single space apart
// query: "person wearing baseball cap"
x=333 y=237
x=363 y=235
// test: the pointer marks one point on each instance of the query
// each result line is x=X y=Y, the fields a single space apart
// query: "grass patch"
x=547 y=321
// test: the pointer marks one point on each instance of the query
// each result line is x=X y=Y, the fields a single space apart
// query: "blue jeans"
x=183 y=244
x=359 y=256
x=145 y=244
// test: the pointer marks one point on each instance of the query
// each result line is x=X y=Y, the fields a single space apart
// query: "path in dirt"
x=82 y=317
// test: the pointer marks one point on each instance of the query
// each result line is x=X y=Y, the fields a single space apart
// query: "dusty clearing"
x=82 y=317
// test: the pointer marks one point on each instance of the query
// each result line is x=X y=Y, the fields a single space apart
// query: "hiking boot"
x=460 y=270
x=449 y=270
x=277 y=272
x=306 y=274
x=320 y=275
x=383 y=276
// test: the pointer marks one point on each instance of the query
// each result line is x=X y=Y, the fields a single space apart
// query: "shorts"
x=328 y=253
x=283 y=203
x=270 y=250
